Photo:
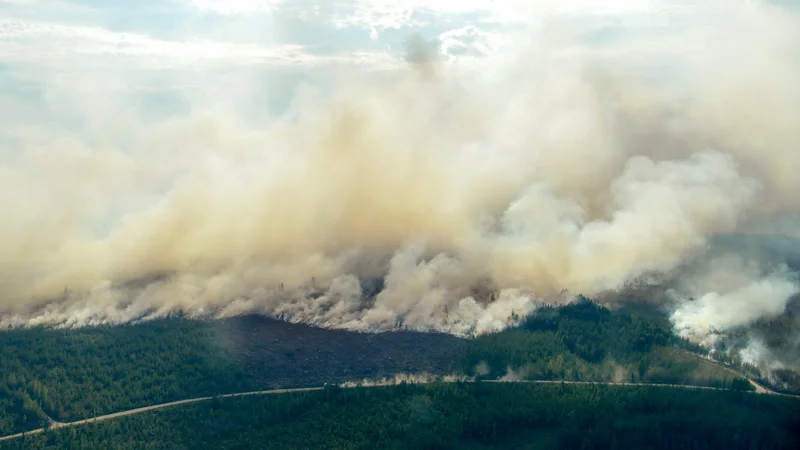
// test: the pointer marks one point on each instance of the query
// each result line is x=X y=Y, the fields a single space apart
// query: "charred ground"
x=74 y=374
x=274 y=353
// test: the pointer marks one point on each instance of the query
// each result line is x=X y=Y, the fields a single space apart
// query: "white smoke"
x=475 y=195
x=735 y=306
x=423 y=378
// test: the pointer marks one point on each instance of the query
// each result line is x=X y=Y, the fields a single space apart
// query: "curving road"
x=56 y=425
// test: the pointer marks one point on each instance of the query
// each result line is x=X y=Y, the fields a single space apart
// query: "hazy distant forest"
x=76 y=374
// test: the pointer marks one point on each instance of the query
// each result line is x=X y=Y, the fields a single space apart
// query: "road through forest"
x=55 y=425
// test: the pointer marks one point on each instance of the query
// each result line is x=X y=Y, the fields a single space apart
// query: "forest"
x=454 y=415
x=68 y=375
x=584 y=341
x=75 y=374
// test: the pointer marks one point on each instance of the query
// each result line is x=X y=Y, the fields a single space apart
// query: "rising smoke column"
x=472 y=194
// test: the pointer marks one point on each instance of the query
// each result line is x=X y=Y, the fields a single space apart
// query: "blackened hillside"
x=76 y=374
x=274 y=353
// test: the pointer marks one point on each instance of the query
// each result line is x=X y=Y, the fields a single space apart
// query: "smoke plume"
x=468 y=196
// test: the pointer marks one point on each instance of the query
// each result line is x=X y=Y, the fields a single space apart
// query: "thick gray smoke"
x=473 y=194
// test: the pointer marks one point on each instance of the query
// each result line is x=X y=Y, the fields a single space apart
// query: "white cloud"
x=36 y=42
x=394 y=14
x=22 y=36
x=234 y=7
x=470 y=41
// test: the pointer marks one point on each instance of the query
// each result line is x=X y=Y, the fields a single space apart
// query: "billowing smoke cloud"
x=732 y=299
x=468 y=196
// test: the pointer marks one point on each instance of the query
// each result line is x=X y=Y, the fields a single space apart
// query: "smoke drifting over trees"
x=473 y=194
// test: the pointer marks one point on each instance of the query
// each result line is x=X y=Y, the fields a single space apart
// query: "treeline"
x=76 y=374
x=81 y=373
x=584 y=341
x=455 y=415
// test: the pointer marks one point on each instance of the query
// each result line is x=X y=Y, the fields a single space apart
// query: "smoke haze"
x=471 y=189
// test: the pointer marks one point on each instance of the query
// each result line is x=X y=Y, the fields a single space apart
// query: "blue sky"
x=65 y=64
x=60 y=59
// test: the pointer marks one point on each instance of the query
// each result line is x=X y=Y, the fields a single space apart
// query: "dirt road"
x=55 y=425
x=760 y=389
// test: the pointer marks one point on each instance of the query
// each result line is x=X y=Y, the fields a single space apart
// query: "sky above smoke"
x=219 y=158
